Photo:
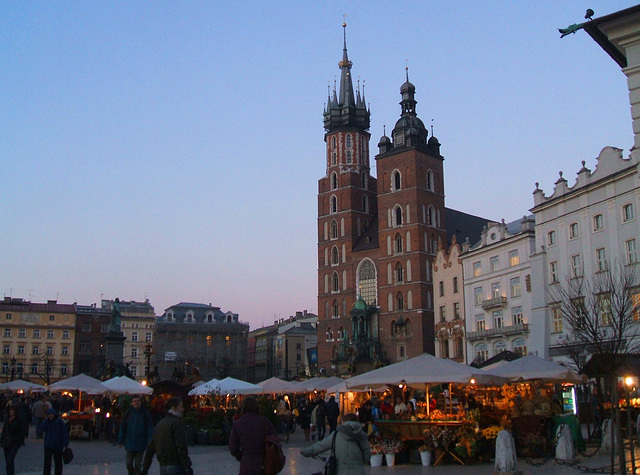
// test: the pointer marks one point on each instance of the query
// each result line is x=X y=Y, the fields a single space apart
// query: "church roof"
x=463 y=225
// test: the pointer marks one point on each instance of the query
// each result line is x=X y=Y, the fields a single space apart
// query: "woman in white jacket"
x=352 y=447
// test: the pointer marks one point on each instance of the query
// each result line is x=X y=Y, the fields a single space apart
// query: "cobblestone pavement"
x=99 y=457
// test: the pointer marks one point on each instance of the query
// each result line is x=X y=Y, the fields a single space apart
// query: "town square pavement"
x=99 y=457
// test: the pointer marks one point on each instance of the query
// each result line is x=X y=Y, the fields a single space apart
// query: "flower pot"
x=425 y=457
x=390 y=459
x=376 y=460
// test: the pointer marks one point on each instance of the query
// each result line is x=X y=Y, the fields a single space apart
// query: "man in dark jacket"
x=246 y=442
x=169 y=443
x=333 y=411
x=135 y=433
x=56 y=439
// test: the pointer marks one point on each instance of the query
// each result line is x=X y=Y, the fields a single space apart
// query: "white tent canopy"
x=231 y=385
x=317 y=384
x=21 y=385
x=80 y=382
x=423 y=369
x=531 y=367
x=124 y=385
x=276 y=386
x=342 y=388
x=204 y=388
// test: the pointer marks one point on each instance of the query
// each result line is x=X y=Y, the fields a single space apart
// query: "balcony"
x=493 y=303
x=502 y=331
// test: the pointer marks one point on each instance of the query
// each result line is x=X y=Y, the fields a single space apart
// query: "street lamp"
x=13 y=367
x=148 y=351
x=629 y=383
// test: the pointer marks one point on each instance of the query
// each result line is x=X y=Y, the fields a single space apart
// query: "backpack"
x=274 y=459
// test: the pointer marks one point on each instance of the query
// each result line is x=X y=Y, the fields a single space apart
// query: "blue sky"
x=171 y=150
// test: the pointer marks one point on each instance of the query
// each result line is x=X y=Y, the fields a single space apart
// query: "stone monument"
x=115 y=345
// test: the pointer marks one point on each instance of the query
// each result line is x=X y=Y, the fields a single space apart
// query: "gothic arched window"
x=397 y=182
x=334 y=180
x=367 y=282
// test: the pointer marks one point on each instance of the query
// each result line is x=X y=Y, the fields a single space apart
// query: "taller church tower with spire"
x=377 y=237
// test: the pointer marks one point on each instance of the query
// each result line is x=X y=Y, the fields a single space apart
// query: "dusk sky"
x=171 y=150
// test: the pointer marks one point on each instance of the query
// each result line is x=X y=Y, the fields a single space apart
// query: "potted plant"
x=376 y=453
x=390 y=448
x=425 y=454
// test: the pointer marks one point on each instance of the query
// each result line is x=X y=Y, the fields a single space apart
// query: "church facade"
x=377 y=236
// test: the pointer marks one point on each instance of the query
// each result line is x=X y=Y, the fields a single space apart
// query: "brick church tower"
x=377 y=238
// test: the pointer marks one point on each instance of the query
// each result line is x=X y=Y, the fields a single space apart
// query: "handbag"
x=67 y=455
x=331 y=467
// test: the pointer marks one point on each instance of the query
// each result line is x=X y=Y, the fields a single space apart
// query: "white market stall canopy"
x=204 y=388
x=231 y=385
x=21 y=385
x=124 y=385
x=530 y=368
x=423 y=369
x=276 y=386
x=80 y=382
x=317 y=384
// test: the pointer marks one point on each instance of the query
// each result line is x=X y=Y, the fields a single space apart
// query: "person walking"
x=305 y=418
x=246 y=442
x=39 y=412
x=12 y=439
x=321 y=416
x=352 y=449
x=169 y=443
x=135 y=433
x=56 y=439
x=332 y=410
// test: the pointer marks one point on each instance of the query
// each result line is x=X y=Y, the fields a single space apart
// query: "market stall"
x=82 y=420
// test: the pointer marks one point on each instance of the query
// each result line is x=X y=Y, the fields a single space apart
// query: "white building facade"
x=581 y=231
x=497 y=290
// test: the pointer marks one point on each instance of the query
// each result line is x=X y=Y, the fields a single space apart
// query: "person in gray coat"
x=352 y=447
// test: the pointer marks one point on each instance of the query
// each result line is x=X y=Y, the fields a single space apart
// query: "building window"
x=553 y=272
x=557 y=320
x=49 y=333
x=604 y=304
x=65 y=334
x=49 y=350
x=399 y=273
x=34 y=368
x=35 y=350
x=85 y=347
x=21 y=349
x=498 y=321
x=477 y=295
x=429 y=180
x=574 y=231
x=148 y=336
x=334 y=180
x=514 y=259
x=7 y=332
x=8 y=316
x=601 y=260
x=396 y=181
x=397 y=212
x=398 y=241
x=443 y=313
x=495 y=290
x=86 y=326
x=336 y=310
x=456 y=310
x=632 y=251
x=36 y=333
x=52 y=318
x=458 y=347
x=628 y=213
x=134 y=335
x=516 y=287
x=441 y=288
x=134 y=352
x=6 y=349
x=400 y=302
x=480 y=324
x=598 y=222
x=334 y=204
x=520 y=347
x=482 y=353
x=444 y=348
x=516 y=313
x=367 y=282
x=455 y=285
x=494 y=263
x=133 y=370
x=576 y=266
x=477 y=269
x=335 y=282
x=65 y=351
x=63 y=369
x=334 y=229
x=551 y=238
x=22 y=333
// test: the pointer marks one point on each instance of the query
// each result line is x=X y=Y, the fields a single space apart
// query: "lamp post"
x=629 y=383
x=148 y=351
x=13 y=367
